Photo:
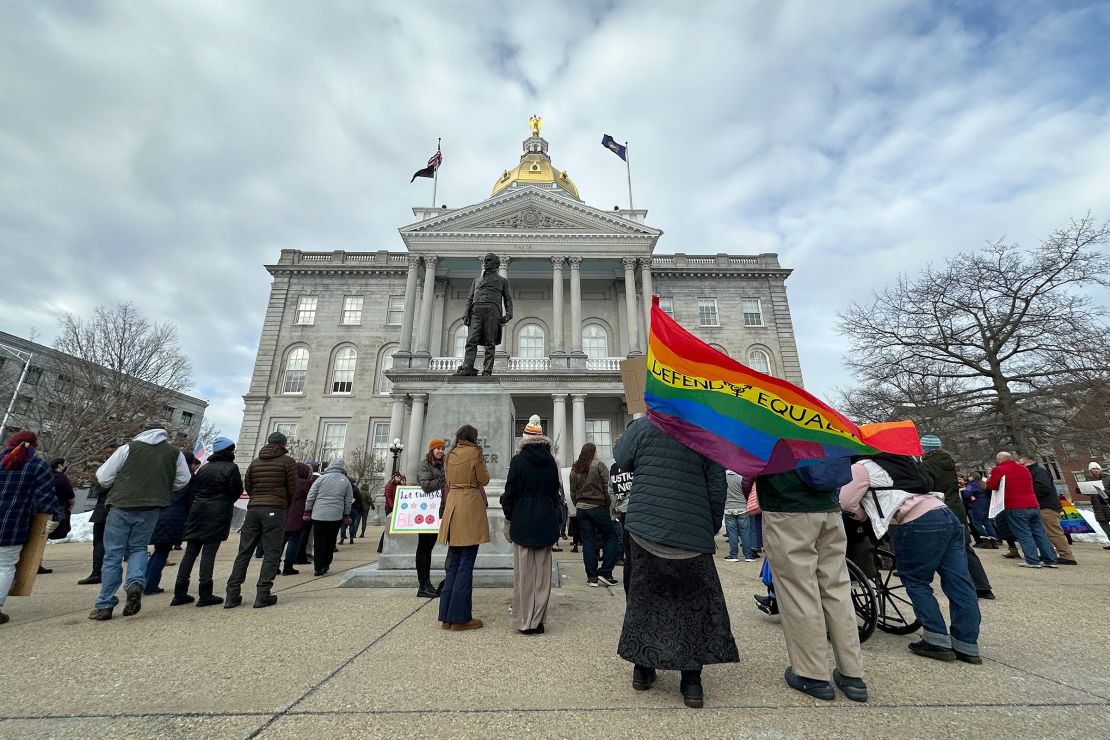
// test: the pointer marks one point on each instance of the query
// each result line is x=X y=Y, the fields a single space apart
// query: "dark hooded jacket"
x=170 y=529
x=940 y=465
x=216 y=488
x=532 y=499
x=1044 y=489
x=271 y=479
x=294 y=515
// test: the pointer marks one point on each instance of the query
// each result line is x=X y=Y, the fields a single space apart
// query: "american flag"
x=200 y=454
x=433 y=164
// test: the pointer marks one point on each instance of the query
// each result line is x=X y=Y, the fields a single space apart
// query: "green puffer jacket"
x=678 y=495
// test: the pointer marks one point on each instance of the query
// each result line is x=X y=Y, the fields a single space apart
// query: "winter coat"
x=1099 y=505
x=464 y=522
x=430 y=476
x=978 y=499
x=294 y=515
x=942 y=467
x=100 y=509
x=25 y=491
x=170 y=529
x=271 y=479
x=532 y=501
x=1019 y=484
x=144 y=472
x=216 y=487
x=678 y=495
x=330 y=497
x=63 y=489
x=591 y=487
x=390 y=493
x=1044 y=489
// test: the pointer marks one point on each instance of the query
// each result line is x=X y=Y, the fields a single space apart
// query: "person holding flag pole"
x=432 y=170
x=621 y=151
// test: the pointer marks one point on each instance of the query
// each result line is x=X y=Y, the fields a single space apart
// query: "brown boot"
x=1012 y=554
x=473 y=624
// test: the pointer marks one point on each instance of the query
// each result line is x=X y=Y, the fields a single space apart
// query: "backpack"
x=906 y=473
x=827 y=475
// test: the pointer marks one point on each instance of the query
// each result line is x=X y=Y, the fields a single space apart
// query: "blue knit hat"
x=221 y=443
x=930 y=442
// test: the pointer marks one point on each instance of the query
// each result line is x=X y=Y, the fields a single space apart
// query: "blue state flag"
x=620 y=150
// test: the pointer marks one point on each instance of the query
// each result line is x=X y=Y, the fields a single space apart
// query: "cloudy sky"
x=163 y=152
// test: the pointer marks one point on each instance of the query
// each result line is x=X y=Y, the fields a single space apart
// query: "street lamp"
x=395 y=447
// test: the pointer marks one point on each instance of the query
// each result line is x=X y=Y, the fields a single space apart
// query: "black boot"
x=427 y=590
x=93 y=578
x=289 y=570
x=642 y=678
x=264 y=599
x=181 y=593
x=204 y=588
x=692 y=694
x=234 y=598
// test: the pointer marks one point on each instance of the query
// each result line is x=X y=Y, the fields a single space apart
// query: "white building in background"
x=353 y=342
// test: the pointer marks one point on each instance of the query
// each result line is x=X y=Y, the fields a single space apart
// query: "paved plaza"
x=329 y=662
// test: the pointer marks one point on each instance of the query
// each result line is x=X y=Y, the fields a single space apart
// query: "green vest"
x=786 y=492
x=146 y=478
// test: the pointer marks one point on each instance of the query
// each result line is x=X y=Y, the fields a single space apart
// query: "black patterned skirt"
x=675 y=618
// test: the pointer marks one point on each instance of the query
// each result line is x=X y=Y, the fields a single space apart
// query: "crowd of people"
x=655 y=507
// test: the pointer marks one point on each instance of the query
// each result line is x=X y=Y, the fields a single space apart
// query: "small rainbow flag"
x=747 y=421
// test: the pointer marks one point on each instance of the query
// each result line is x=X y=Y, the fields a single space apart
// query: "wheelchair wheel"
x=895 y=608
x=863 y=601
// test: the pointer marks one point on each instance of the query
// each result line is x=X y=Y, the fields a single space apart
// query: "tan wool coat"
x=464 y=516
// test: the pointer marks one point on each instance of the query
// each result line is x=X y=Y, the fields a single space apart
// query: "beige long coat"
x=464 y=517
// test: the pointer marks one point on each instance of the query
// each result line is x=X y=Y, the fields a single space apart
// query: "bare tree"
x=118 y=373
x=365 y=468
x=996 y=339
x=301 y=450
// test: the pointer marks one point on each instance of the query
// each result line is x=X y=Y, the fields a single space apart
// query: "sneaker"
x=1024 y=564
x=968 y=658
x=853 y=688
x=816 y=688
x=767 y=605
x=732 y=559
x=608 y=580
x=929 y=650
x=134 y=599
x=1049 y=565
x=592 y=582
x=749 y=560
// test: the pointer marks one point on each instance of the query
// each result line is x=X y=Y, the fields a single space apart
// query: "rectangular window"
x=34 y=374
x=61 y=384
x=753 y=312
x=707 y=312
x=23 y=405
x=167 y=413
x=666 y=305
x=395 y=310
x=334 y=440
x=306 y=310
x=288 y=428
x=352 y=310
x=597 y=431
x=379 y=439
x=186 y=419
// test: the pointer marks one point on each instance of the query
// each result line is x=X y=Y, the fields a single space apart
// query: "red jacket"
x=1019 y=484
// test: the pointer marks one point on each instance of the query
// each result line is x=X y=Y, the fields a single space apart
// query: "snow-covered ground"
x=81 y=529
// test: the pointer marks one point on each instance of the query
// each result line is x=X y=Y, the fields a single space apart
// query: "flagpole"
x=435 y=177
x=628 y=168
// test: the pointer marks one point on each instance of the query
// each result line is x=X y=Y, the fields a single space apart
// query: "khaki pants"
x=1055 y=532
x=806 y=553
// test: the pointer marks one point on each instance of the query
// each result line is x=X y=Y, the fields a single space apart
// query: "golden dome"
x=535 y=167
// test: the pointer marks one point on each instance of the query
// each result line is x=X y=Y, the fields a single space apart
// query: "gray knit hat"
x=277 y=438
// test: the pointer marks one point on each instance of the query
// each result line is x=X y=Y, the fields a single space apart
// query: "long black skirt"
x=675 y=618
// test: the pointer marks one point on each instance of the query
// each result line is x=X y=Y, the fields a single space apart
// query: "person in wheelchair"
x=893 y=492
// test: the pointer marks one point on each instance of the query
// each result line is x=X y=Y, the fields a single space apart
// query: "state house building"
x=353 y=342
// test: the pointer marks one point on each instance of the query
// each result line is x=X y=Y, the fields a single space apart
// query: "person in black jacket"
x=169 y=529
x=216 y=488
x=676 y=618
x=98 y=517
x=1049 y=502
x=531 y=503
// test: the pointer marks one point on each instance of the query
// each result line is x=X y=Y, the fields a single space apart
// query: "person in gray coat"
x=329 y=507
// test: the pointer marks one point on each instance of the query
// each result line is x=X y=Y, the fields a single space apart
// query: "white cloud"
x=163 y=152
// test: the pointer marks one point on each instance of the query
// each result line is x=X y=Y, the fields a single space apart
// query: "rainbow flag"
x=747 y=421
x=1071 y=521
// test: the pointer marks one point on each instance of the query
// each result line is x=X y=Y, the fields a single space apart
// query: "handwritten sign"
x=415 y=511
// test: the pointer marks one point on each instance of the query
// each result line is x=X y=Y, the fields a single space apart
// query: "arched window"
x=595 y=341
x=460 y=341
x=530 y=341
x=758 y=359
x=296 y=367
x=385 y=385
x=720 y=349
x=343 y=370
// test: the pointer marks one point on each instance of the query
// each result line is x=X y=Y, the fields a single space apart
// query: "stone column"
x=396 y=420
x=410 y=306
x=576 y=305
x=437 y=318
x=415 y=442
x=578 y=422
x=631 y=314
x=425 y=332
x=557 y=339
x=645 y=281
x=559 y=427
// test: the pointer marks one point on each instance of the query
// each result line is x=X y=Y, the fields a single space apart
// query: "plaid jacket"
x=24 y=492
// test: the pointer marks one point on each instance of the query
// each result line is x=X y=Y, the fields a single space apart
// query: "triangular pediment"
x=529 y=210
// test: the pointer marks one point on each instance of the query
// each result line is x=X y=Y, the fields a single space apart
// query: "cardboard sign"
x=30 y=557
x=415 y=511
x=634 y=377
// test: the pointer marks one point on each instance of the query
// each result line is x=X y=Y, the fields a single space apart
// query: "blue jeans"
x=126 y=535
x=596 y=528
x=983 y=524
x=455 y=602
x=934 y=544
x=154 y=566
x=739 y=529
x=1029 y=531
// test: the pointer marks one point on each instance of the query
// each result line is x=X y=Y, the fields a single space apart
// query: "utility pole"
x=25 y=357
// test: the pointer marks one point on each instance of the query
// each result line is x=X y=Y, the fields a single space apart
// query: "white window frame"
x=306 y=310
x=343 y=377
x=767 y=355
x=666 y=305
x=288 y=428
x=286 y=378
x=604 y=335
x=379 y=447
x=758 y=313
x=326 y=453
x=701 y=314
x=458 y=348
x=390 y=310
x=384 y=385
x=605 y=433
x=533 y=352
x=352 y=311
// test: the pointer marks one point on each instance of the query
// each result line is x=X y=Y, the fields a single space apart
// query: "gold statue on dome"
x=536 y=122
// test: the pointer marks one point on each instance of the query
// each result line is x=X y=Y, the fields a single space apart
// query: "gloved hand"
x=51 y=526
